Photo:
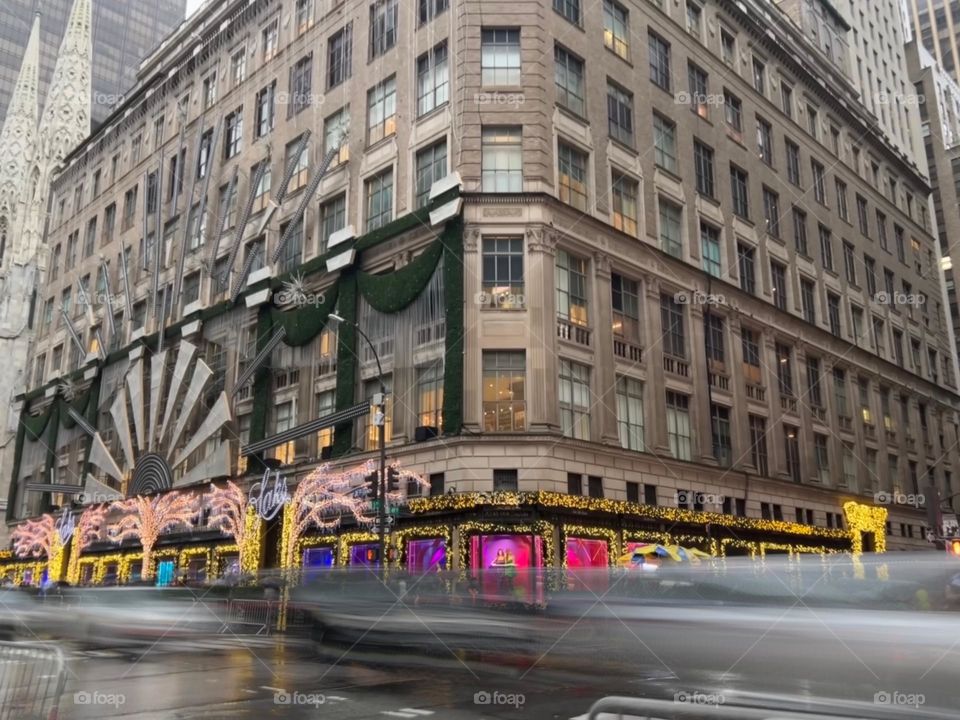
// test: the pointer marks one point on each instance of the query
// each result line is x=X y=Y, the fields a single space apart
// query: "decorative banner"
x=65 y=525
x=269 y=501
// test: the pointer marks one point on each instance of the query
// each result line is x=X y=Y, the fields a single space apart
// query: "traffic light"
x=372 y=485
x=953 y=546
x=373 y=555
x=393 y=479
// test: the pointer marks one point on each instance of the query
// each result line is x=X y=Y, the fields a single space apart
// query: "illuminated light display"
x=146 y=518
x=541 y=528
x=41 y=538
x=576 y=536
x=426 y=554
x=234 y=516
x=866 y=519
x=348 y=540
x=403 y=537
x=88 y=530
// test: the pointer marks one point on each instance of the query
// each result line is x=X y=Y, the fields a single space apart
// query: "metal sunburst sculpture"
x=148 y=442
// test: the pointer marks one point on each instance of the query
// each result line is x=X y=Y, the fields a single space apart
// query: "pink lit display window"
x=426 y=554
x=506 y=566
x=585 y=559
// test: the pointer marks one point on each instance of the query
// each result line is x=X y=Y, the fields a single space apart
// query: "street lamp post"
x=381 y=420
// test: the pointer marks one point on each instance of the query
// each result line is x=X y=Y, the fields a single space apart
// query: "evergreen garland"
x=452 y=240
x=389 y=294
x=307 y=322
x=346 y=360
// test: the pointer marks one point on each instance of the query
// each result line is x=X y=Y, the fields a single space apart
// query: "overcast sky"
x=193 y=5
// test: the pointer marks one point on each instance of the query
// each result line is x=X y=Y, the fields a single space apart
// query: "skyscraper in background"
x=123 y=33
x=936 y=23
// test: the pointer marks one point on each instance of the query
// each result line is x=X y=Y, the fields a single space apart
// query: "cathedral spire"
x=18 y=135
x=64 y=124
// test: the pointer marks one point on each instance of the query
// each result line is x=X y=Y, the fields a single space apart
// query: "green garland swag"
x=305 y=323
x=452 y=240
x=346 y=360
x=389 y=294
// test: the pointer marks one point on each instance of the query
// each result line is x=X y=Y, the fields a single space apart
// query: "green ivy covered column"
x=346 y=360
x=453 y=272
x=262 y=389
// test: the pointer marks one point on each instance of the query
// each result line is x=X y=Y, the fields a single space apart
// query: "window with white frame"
x=504 y=391
x=433 y=79
x=625 y=192
x=500 y=57
x=340 y=56
x=382 y=110
x=502 y=159
x=431 y=166
x=571 y=288
x=379 y=199
x=572 y=169
x=430 y=395
x=630 y=413
x=575 y=402
x=679 y=434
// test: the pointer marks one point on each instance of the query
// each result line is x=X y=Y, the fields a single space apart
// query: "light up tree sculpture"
x=147 y=517
x=40 y=538
x=231 y=512
x=89 y=528
x=324 y=498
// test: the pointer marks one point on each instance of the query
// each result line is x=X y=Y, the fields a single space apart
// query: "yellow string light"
x=541 y=528
x=866 y=519
x=599 y=533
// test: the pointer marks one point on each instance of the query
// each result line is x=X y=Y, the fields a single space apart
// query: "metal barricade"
x=258 y=615
x=686 y=707
x=32 y=678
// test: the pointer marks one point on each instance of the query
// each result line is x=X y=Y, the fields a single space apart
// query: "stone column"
x=604 y=420
x=543 y=412
x=655 y=407
x=472 y=353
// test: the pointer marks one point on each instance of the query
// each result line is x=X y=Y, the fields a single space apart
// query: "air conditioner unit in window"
x=424 y=433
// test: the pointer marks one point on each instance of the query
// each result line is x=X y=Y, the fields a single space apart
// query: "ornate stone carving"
x=471 y=239
x=542 y=240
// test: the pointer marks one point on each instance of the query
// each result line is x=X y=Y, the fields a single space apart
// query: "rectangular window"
x=786 y=98
x=626 y=195
x=430 y=395
x=382 y=110
x=625 y=301
x=575 y=400
x=710 y=249
x=671 y=238
x=304 y=16
x=813 y=121
x=819 y=182
x=671 y=325
x=340 y=56
x=433 y=79
x=505 y=480
x=679 y=433
x=379 y=199
x=849 y=263
x=713 y=338
x=270 y=39
x=826 y=248
x=778 y=281
x=335 y=135
x=765 y=141
x=720 y=431
x=233 y=138
x=301 y=86
x=292 y=254
x=571 y=288
x=265 y=109
x=728 y=47
x=746 y=265
x=833 y=313
x=807 y=302
x=814 y=389
x=862 y=217
x=208 y=93
x=758 y=444
x=793 y=164
x=703 y=167
x=822 y=458
x=659 y=55
x=501 y=159
x=771 y=212
x=784 y=369
x=572 y=167
x=800 y=231
x=431 y=166
x=568 y=78
x=630 y=413
x=694 y=19
x=733 y=112
x=500 y=57
x=699 y=90
x=333 y=217
x=504 y=394
x=502 y=268
x=882 y=231
x=570 y=9
x=298 y=165
x=791 y=450
x=739 y=187
x=856 y=320
x=620 y=114
x=383 y=26
x=664 y=143
x=750 y=344
x=616 y=28
x=261 y=195
x=429 y=9
x=840 y=393
x=759 y=76
x=842 y=209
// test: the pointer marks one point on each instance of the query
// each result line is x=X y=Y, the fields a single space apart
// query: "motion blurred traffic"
x=875 y=637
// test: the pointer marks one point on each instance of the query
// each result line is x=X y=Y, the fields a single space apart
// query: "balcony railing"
x=788 y=403
x=573 y=333
x=756 y=392
x=627 y=351
x=845 y=422
x=676 y=366
x=820 y=413
x=892 y=437
x=719 y=382
x=911 y=441
x=870 y=431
